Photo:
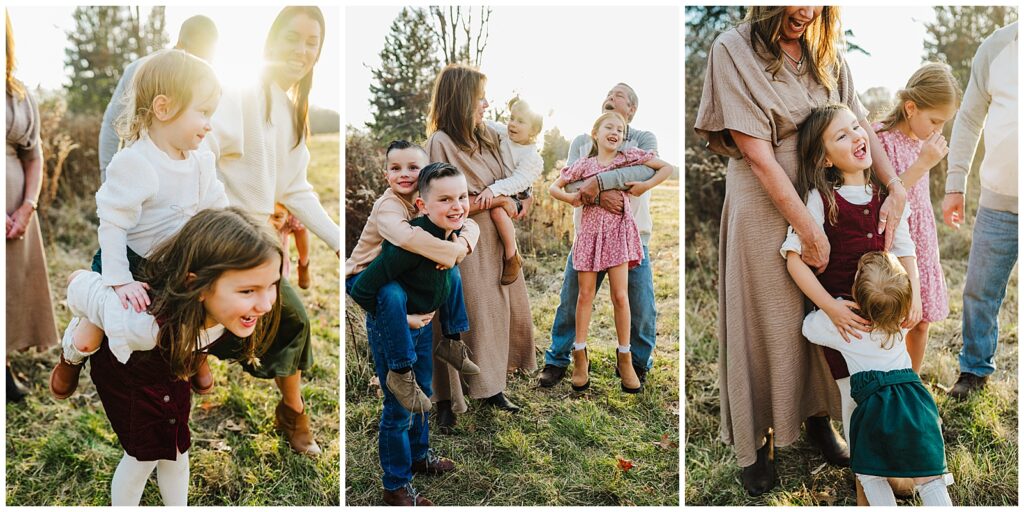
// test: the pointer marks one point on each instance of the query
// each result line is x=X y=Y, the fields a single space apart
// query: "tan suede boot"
x=510 y=269
x=304 y=279
x=295 y=427
x=456 y=354
x=580 y=370
x=630 y=382
x=407 y=391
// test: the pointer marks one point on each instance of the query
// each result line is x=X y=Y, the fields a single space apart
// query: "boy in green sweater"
x=404 y=439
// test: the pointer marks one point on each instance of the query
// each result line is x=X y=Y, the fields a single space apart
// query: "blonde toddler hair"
x=520 y=106
x=172 y=73
x=932 y=86
x=883 y=293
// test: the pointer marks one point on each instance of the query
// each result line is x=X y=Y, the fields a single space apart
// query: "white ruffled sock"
x=877 y=490
x=934 y=493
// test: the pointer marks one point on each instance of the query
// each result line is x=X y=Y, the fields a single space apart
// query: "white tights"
x=878 y=492
x=131 y=475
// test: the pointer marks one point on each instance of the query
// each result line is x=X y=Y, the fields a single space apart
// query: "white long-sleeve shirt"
x=147 y=198
x=902 y=245
x=127 y=330
x=527 y=165
x=260 y=164
x=860 y=355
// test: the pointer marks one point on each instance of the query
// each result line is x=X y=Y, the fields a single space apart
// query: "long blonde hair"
x=931 y=86
x=820 y=40
x=210 y=243
x=812 y=173
x=172 y=73
x=883 y=293
x=299 y=93
x=597 y=125
x=453 y=103
x=14 y=87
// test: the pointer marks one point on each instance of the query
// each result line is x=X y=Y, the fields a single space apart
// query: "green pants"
x=292 y=349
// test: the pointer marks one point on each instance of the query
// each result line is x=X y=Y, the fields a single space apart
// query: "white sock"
x=130 y=480
x=71 y=352
x=624 y=349
x=934 y=493
x=579 y=346
x=848 y=405
x=877 y=490
x=172 y=478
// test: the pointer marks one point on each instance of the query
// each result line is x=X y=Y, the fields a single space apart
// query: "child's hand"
x=576 y=199
x=933 y=150
x=133 y=293
x=484 y=199
x=916 y=312
x=637 y=188
x=848 y=323
x=419 y=321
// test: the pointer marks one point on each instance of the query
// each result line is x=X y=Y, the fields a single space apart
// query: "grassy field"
x=980 y=433
x=562 y=448
x=64 y=452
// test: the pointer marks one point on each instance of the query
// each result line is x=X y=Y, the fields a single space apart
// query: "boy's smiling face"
x=403 y=169
x=446 y=202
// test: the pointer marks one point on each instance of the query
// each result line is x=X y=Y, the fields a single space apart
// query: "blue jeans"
x=993 y=255
x=643 y=315
x=390 y=319
x=404 y=437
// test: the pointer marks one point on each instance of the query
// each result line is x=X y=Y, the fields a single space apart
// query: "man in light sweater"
x=990 y=103
x=643 y=316
x=197 y=36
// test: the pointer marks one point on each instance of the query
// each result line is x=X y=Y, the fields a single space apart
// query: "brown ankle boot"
x=295 y=427
x=64 y=378
x=202 y=381
x=630 y=382
x=304 y=280
x=510 y=269
x=580 y=370
x=405 y=496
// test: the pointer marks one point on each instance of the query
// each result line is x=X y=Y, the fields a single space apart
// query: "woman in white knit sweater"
x=259 y=137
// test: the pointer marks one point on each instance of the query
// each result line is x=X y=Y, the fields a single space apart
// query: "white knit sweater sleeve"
x=527 y=170
x=212 y=195
x=227 y=138
x=131 y=180
x=300 y=199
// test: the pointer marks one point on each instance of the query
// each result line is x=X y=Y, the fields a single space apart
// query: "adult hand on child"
x=589 y=190
x=933 y=150
x=418 y=321
x=815 y=249
x=953 y=209
x=892 y=211
x=527 y=203
x=613 y=201
x=133 y=293
x=508 y=204
x=848 y=323
x=484 y=199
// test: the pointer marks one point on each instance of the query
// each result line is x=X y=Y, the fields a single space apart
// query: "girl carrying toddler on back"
x=154 y=186
x=606 y=242
x=911 y=135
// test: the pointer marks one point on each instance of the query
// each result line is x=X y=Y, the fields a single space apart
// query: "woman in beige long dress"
x=763 y=78
x=30 y=320
x=500 y=337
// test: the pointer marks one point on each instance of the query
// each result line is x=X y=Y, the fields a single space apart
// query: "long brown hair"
x=14 y=87
x=812 y=173
x=299 y=93
x=820 y=40
x=932 y=86
x=883 y=293
x=210 y=243
x=458 y=90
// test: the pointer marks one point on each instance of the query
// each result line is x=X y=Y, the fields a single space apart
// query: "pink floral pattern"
x=903 y=151
x=604 y=239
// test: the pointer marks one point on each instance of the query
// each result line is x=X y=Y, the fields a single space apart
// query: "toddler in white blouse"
x=155 y=184
x=518 y=146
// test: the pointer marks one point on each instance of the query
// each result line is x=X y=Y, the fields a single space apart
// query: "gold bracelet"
x=894 y=180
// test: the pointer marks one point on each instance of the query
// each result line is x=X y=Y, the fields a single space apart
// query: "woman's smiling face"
x=295 y=49
x=796 y=19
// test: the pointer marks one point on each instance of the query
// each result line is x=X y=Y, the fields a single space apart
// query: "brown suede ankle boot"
x=630 y=382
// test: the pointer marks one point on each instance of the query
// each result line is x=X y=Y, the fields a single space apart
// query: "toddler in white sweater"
x=159 y=181
x=518 y=146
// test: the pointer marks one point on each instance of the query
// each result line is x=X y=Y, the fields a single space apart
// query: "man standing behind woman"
x=500 y=336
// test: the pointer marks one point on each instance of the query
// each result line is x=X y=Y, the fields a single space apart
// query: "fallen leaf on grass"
x=818 y=469
x=229 y=424
x=826 y=497
x=625 y=464
x=206 y=406
x=665 y=443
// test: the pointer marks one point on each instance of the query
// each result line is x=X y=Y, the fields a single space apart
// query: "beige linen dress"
x=29 y=307
x=500 y=337
x=769 y=375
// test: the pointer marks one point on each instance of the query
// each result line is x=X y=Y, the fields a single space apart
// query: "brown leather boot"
x=64 y=378
x=295 y=427
x=433 y=464
x=580 y=370
x=405 y=496
x=202 y=381
x=510 y=269
x=630 y=382
x=304 y=280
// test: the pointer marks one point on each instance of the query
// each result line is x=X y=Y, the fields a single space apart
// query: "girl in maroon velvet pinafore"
x=214 y=282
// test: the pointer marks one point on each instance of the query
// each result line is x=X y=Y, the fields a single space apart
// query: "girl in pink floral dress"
x=606 y=242
x=911 y=135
